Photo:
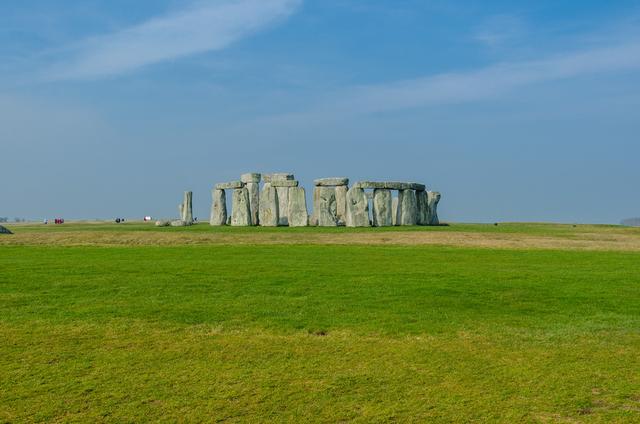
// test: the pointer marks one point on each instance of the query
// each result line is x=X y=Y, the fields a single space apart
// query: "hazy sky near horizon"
x=514 y=110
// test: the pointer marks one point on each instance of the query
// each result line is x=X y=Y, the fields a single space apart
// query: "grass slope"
x=318 y=333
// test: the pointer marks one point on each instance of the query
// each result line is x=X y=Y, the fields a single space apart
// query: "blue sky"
x=514 y=110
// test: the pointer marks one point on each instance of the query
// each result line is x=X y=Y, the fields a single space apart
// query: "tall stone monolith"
x=325 y=209
x=269 y=206
x=382 y=208
x=240 y=208
x=218 y=208
x=252 y=182
x=423 y=207
x=341 y=203
x=187 y=208
x=357 y=208
x=298 y=215
x=394 y=211
x=407 y=208
x=433 y=199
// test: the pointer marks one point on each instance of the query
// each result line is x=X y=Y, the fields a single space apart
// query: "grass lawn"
x=322 y=332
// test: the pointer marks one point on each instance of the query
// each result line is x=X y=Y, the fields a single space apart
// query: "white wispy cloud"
x=481 y=84
x=205 y=26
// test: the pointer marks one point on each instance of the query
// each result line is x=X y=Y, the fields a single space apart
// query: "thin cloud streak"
x=206 y=26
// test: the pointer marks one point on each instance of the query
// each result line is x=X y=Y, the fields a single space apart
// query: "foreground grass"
x=318 y=333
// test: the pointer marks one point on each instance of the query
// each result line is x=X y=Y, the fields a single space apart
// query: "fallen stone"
x=298 y=215
x=341 y=203
x=284 y=183
x=218 y=208
x=240 y=208
x=250 y=177
x=231 y=185
x=179 y=223
x=357 y=208
x=278 y=176
x=254 y=201
x=4 y=230
x=407 y=208
x=423 y=208
x=331 y=182
x=433 y=200
x=326 y=210
x=163 y=223
x=383 y=210
x=269 y=206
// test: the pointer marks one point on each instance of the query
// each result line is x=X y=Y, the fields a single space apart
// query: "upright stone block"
x=433 y=198
x=423 y=207
x=298 y=216
x=240 y=209
x=254 y=202
x=357 y=205
x=382 y=208
x=394 y=211
x=407 y=208
x=269 y=206
x=283 y=205
x=218 y=208
x=341 y=203
x=325 y=209
x=187 y=208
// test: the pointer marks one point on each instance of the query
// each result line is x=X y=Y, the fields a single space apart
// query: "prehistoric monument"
x=281 y=202
x=4 y=230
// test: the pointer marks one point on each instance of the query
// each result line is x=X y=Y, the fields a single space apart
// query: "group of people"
x=56 y=221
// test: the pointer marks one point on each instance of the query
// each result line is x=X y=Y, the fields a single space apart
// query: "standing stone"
x=252 y=182
x=341 y=203
x=394 y=211
x=218 y=208
x=240 y=208
x=298 y=216
x=382 y=208
x=313 y=221
x=269 y=206
x=283 y=205
x=187 y=208
x=423 y=207
x=433 y=199
x=407 y=208
x=357 y=204
x=326 y=210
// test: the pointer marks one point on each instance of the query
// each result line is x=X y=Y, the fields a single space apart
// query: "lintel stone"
x=231 y=185
x=284 y=183
x=331 y=182
x=250 y=178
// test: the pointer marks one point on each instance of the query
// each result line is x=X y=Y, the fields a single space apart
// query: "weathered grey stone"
x=433 y=199
x=341 y=203
x=229 y=220
x=269 y=206
x=369 y=184
x=278 y=176
x=283 y=205
x=331 y=182
x=163 y=223
x=394 y=211
x=383 y=210
x=284 y=183
x=325 y=209
x=231 y=185
x=357 y=208
x=4 y=230
x=251 y=177
x=298 y=215
x=254 y=202
x=240 y=208
x=407 y=208
x=187 y=208
x=391 y=185
x=423 y=208
x=180 y=223
x=218 y=208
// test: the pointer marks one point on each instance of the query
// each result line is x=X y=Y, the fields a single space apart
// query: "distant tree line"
x=4 y=219
x=631 y=222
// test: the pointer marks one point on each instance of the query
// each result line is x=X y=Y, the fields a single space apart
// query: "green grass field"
x=264 y=330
